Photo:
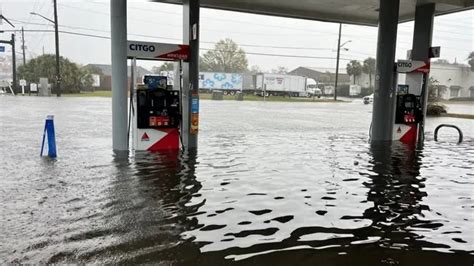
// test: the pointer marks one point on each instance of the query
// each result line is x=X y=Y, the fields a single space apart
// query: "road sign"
x=150 y=50
x=2 y=49
x=22 y=82
x=435 y=51
x=407 y=66
x=33 y=87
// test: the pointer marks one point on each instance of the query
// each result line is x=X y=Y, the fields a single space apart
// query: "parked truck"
x=283 y=85
x=229 y=83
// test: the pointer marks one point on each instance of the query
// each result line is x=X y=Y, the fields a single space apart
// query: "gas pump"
x=410 y=105
x=156 y=113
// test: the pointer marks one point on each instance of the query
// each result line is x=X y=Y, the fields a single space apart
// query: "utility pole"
x=13 y=61
x=23 y=44
x=56 y=33
x=337 y=61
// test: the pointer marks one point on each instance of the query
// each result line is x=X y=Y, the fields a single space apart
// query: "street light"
x=36 y=14
x=339 y=46
x=56 y=35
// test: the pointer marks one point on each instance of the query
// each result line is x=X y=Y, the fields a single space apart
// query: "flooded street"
x=271 y=184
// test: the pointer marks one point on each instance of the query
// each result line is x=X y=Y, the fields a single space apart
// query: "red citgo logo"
x=145 y=137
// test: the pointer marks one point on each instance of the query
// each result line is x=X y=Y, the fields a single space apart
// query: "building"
x=322 y=76
x=106 y=77
x=456 y=79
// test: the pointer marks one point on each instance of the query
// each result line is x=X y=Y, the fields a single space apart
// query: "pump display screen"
x=157 y=108
x=408 y=104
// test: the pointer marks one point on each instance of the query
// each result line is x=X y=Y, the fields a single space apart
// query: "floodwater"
x=271 y=184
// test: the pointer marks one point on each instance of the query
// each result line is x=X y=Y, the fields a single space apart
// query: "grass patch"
x=465 y=116
x=250 y=97
x=208 y=96
x=90 y=94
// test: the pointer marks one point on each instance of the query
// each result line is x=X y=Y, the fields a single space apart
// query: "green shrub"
x=435 y=109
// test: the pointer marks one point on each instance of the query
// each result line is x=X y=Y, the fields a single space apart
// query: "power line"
x=205 y=49
x=208 y=49
x=150 y=36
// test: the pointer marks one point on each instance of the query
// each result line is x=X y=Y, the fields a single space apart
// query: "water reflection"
x=385 y=233
x=396 y=191
x=145 y=211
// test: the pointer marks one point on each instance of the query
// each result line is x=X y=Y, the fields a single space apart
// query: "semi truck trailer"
x=284 y=85
x=229 y=83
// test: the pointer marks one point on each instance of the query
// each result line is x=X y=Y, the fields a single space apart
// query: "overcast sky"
x=163 y=23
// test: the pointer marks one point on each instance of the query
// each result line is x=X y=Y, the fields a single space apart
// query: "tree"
x=45 y=67
x=225 y=57
x=435 y=90
x=91 y=69
x=255 y=69
x=471 y=60
x=86 y=76
x=369 y=68
x=434 y=108
x=167 y=66
x=354 y=68
x=441 y=61
x=280 y=70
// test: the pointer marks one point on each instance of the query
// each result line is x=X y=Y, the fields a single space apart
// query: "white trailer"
x=280 y=84
x=354 y=90
x=229 y=83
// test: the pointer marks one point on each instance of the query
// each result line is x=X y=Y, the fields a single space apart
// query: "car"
x=368 y=99
x=314 y=92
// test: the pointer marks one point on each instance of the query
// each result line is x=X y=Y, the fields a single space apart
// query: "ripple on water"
x=303 y=188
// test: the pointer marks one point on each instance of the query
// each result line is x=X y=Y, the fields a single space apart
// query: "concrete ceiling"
x=362 y=12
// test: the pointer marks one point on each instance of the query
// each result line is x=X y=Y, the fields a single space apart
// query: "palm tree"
x=471 y=60
x=369 y=68
x=354 y=68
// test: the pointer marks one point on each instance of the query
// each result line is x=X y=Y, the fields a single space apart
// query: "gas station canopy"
x=363 y=12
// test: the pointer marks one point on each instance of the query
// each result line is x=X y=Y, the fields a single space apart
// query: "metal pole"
x=337 y=61
x=190 y=73
x=23 y=44
x=14 y=82
x=118 y=23
x=56 y=36
x=422 y=37
x=384 y=93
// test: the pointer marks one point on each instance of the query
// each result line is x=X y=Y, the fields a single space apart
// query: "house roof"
x=363 y=12
x=107 y=70
x=317 y=72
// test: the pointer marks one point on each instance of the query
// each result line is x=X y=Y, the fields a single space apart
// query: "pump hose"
x=181 y=140
x=130 y=111
x=370 y=132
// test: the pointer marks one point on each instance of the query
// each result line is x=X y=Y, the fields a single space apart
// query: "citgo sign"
x=163 y=51
x=407 y=66
x=141 y=47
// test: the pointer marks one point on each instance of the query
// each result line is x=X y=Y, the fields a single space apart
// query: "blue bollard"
x=49 y=130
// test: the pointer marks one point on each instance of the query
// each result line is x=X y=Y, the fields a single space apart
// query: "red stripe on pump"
x=168 y=142
x=410 y=136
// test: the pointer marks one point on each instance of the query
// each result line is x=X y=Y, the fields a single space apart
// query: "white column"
x=384 y=93
x=118 y=24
